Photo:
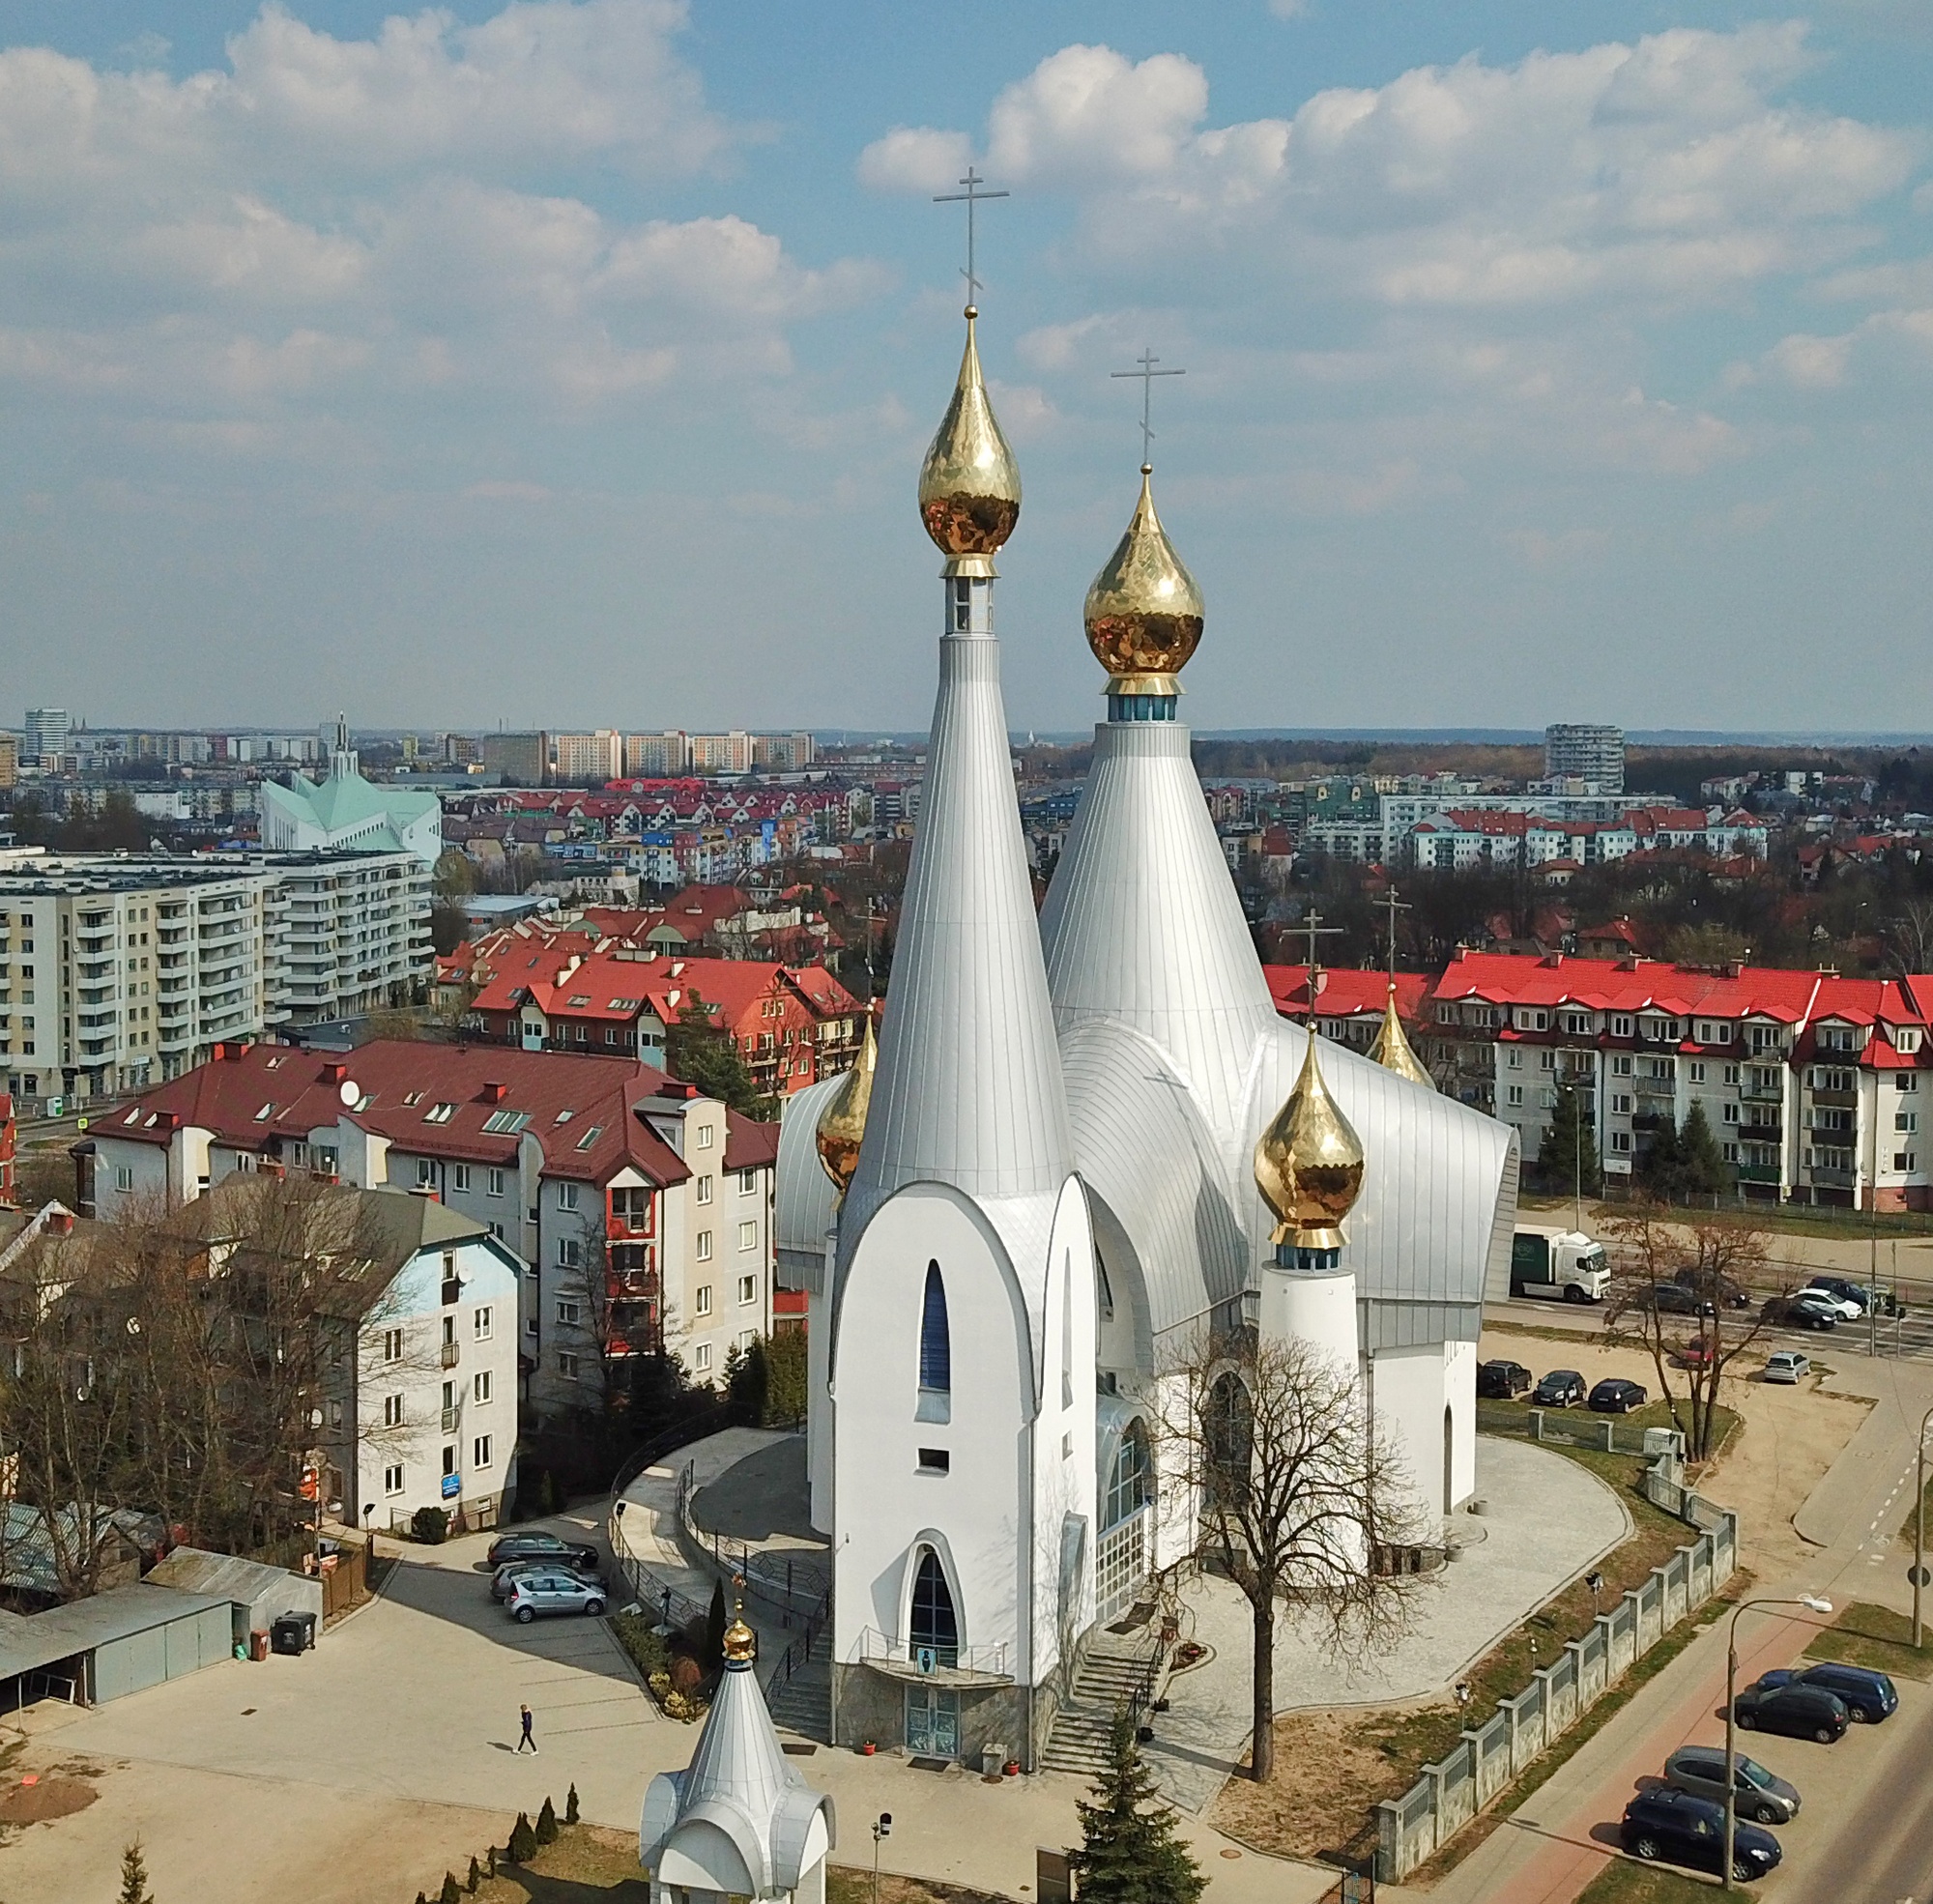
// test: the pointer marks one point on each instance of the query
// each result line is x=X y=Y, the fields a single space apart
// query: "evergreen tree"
x=714 y=1629
x=1130 y=1853
x=451 y=1892
x=1660 y=1170
x=1701 y=1164
x=523 y=1845
x=746 y=1382
x=134 y=1877
x=698 y=1052
x=570 y=1807
x=473 y=1881
x=547 y=1823
x=1568 y=1157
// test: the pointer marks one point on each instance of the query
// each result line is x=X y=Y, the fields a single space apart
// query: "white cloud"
x=1803 y=362
x=915 y=158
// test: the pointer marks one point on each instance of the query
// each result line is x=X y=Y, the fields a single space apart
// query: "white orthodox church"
x=1046 y=1175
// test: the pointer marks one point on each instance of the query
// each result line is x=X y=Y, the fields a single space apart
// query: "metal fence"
x=1448 y=1795
x=792 y=1582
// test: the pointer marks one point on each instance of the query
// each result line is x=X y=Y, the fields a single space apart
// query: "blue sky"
x=566 y=363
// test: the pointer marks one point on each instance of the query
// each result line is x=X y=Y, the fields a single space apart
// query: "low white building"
x=345 y=813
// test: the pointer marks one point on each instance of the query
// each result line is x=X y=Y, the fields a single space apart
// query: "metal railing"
x=800 y=1651
x=647 y=1588
x=788 y=1581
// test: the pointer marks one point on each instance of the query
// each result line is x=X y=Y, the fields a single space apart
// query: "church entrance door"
x=932 y=1722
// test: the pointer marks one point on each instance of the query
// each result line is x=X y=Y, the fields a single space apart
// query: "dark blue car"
x=1683 y=1830
x=1870 y=1696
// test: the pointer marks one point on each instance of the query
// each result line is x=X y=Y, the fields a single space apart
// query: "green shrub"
x=715 y=1621
x=647 y=1650
x=453 y=1891
x=474 y=1878
x=547 y=1823
x=490 y=1862
x=523 y=1845
x=430 y=1525
x=570 y=1807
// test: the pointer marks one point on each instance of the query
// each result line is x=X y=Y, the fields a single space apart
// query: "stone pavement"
x=1549 y=1518
x=1548 y=1851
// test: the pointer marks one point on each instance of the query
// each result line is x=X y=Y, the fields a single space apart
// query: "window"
x=1128 y=1481
x=703 y=1140
x=934 y=1460
x=1907 y=1080
x=1731 y=1073
x=1515 y=1095
x=425 y=1174
x=748 y=1236
x=479 y=1452
x=567 y=1365
x=701 y=1300
x=704 y=1190
x=701 y=1359
x=566 y=1196
x=449 y=1458
x=704 y=1245
x=748 y=1289
x=393 y=1345
x=393 y=1411
x=935 y=1342
x=1731 y=1151
x=505 y=1123
x=1731 y=1114
x=1697 y=1072
x=531 y=1326
x=932 y=1625
x=1621 y=1065
x=1621 y=1140
x=124 y=1176
x=1906 y=1120
x=1621 y=1026
x=493 y=1183
x=1514 y=1058
x=482 y=1322
x=439 y=1114
x=570 y=1252
x=392 y=1479
x=567 y=1312
x=460 y=1176
x=480 y=1386
x=748 y=1182
x=1546 y=1061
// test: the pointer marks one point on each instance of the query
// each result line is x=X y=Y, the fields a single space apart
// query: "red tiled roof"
x=1343 y=992
x=1629 y=984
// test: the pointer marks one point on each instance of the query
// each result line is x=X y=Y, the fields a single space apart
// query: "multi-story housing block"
x=641 y=1207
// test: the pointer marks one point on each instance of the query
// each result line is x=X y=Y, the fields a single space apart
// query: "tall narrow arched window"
x=1128 y=1481
x=935 y=1344
x=933 y=1623
x=1228 y=1438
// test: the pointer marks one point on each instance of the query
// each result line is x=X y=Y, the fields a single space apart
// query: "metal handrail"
x=800 y=1651
x=645 y=1587
x=757 y=1569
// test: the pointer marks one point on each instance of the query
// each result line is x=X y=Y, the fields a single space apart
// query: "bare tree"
x=1910 y=936
x=1297 y=1493
x=1694 y=1352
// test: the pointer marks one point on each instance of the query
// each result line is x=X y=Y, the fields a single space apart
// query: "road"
x=1906 y=1337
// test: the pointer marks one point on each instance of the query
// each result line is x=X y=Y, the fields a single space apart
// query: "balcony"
x=452 y=1353
x=1773 y=1094
x=1826 y=1179
x=1846 y=1099
x=1758 y=1172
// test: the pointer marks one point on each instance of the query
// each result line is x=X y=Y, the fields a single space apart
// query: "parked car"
x=506 y=1576
x=1806 y=1309
x=1787 y=1364
x=1562 y=1388
x=1682 y=1829
x=538 y=1545
x=1697 y=1353
x=1503 y=1381
x=1763 y=1795
x=1802 y=1711
x=553 y=1590
x=1869 y=1697
x=1617 y=1397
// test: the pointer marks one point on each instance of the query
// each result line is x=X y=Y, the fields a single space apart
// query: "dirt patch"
x=1314 y=1806
x=53 y=1795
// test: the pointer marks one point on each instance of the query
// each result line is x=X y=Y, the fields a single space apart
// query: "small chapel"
x=1081 y=1135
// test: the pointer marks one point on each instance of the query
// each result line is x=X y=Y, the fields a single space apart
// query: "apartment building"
x=641 y=1209
x=722 y=753
x=120 y=970
x=586 y=757
x=1811 y=1083
x=657 y=756
x=1581 y=751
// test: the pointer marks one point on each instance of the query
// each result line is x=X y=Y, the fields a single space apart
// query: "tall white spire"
x=969 y=1089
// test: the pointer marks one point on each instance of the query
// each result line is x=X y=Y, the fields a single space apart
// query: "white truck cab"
x=1555 y=1264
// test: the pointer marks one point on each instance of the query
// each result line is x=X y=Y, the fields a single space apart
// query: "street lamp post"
x=1815 y=1603
x=1919 y=1522
x=883 y=1828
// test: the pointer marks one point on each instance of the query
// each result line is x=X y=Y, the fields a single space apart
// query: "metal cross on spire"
x=1312 y=924
x=971 y=197
x=1147 y=373
x=1392 y=905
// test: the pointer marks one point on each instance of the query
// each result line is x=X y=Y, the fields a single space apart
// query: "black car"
x=1763 y=1795
x=1503 y=1381
x=1684 y=1830
x=1802 y=1711
x=1869 y=1697
x=1678 y=1299
x=1562 y=1388
x=1617 y=1397
x=536 y=1545
x=1806 y=1309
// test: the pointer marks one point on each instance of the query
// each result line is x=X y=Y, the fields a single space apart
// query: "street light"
x=883 y=1828
x=1919 y=1524
x=1813 y=1603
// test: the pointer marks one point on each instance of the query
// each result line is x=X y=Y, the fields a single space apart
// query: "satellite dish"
x=350 y=1093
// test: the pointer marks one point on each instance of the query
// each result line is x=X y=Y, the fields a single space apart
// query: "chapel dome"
x=1308 y=1164
x=970 y=486
x=842 y=1124
x=1393 y=1049
x=1143 y=613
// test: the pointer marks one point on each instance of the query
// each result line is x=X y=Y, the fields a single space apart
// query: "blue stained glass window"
x=935 y=1347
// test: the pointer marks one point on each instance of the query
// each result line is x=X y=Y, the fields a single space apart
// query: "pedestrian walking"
x=527 y=1739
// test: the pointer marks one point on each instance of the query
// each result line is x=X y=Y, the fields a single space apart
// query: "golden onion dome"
x=740 y=1643
x=1308 y=1164
x=842 y=1124
x=1143 y=613
x=969 y=486
x=1393 y=1050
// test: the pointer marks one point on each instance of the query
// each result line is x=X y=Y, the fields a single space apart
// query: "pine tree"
x=523 y=1845
x=490 y=1862
x=1701 y=1164
x=451 y=1892
x=698 y=1052
x=1567 y=1159
x=547 y=1823
x=1130 y=1853
x=570 y=1806
x=473 y=1881
x=714 y=1629
x=1661 y=1168
x=134 y=1877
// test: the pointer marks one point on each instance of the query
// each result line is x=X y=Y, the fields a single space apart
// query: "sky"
x=570 y=363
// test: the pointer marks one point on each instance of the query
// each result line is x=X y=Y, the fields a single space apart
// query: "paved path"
x=1550 y=1849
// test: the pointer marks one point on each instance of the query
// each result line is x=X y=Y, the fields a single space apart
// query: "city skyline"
x=1534 y=372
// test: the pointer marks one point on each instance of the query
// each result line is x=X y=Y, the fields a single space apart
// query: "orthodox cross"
x=970 y=197
x=1312 y=924
x=1147 y=373
x=1392 y=905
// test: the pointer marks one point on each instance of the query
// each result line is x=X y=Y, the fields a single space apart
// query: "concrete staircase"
x=1112 y=1668
x=804 y=1703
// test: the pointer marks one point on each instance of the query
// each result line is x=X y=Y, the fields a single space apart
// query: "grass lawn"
x=1875 y=1637
x=1513 y=1418
x=1624 y=1882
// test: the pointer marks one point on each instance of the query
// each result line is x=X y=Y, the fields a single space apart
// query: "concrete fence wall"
x=1449 y=1794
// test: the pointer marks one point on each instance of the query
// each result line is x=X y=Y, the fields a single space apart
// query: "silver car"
x=1787 y=1364
x=553 y=1590
x=1764 y=1797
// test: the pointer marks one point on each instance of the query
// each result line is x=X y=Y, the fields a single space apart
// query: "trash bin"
x=293 y=1632
x=258 y=1644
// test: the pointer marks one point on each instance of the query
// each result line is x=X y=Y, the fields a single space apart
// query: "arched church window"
x=934 y=1623
x=1228 y=1432
x=935 y=1344
x=1128 y=1481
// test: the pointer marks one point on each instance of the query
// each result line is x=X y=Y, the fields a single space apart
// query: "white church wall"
x=1459 y=1391
x=1409 y=1394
